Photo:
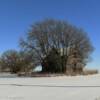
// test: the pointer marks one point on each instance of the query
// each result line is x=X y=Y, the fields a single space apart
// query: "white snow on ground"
x=51 y=88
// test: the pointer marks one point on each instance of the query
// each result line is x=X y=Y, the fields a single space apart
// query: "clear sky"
x=16 y=16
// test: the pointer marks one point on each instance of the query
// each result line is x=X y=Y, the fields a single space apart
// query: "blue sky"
x=16 y=16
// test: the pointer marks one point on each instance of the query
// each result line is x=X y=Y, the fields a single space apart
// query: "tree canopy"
x=15 y=61
x=50 y=34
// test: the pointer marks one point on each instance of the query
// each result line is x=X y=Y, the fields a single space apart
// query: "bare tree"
x=15 y=61
x=10 y=61
x=51 y=34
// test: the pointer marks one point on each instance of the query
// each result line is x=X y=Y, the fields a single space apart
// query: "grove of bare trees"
x=58 y=46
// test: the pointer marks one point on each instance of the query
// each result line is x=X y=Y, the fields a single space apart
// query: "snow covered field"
x=51 y=88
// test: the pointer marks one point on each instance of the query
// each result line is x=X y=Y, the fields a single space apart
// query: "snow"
x=51 y=88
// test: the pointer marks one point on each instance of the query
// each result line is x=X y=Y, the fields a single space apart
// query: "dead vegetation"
x=90 y=72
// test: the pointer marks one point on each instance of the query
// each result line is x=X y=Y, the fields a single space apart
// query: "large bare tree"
x=48 y=35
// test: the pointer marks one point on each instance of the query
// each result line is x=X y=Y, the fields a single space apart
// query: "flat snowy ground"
x=51 y=88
